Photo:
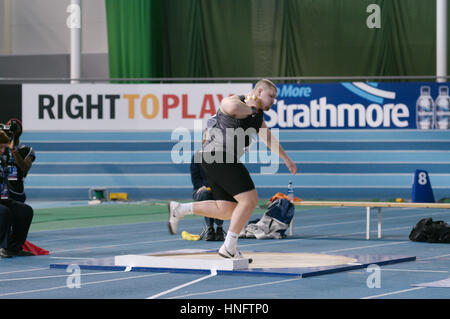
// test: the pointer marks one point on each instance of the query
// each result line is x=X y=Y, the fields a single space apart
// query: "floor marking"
x=385 y=218
x=16 y=271
x=236 y=288
x=415 y=270
x=288 y=240
x=393 y=293
x=405 y=270
x=213 y=273
x=426 y=258
x=60 y=276
x=117 y=245
x=361 y=247
x=86 y=284
x=62 y=237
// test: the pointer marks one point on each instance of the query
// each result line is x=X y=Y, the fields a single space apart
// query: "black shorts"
x=227 y=179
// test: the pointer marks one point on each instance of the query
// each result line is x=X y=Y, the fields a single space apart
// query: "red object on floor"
x=35 y=250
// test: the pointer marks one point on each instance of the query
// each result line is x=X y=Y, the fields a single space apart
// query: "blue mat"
x=362 y=261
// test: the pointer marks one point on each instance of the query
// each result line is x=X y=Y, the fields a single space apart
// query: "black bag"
x=427 y=230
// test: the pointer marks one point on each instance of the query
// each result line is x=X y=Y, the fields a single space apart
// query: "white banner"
x=121 y=107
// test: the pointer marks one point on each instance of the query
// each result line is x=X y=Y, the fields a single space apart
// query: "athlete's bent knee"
x=249 y=200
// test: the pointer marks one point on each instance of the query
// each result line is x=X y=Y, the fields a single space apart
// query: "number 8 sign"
x=421 y=189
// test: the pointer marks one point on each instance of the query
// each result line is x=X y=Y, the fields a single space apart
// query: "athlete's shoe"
x=210 y=234
x=225 y=253
x=173 y=219
x=218 y=236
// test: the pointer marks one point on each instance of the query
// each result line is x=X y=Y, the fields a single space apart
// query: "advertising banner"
x=146 y=107
x=122 y=107
x=361 y=105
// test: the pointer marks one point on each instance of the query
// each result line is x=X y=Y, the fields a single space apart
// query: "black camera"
x=13 y=130
x=7 y=129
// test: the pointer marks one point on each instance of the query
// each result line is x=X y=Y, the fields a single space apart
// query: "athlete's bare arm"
x=234 y=107
x=272 y=142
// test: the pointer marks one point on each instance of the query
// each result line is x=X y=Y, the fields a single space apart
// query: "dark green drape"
x=207 y=38
x=134 y=38
x=268 y=38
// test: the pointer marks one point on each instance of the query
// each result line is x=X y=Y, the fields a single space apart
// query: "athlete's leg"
x=247 y=202
x=220 y=209
x=239 y=212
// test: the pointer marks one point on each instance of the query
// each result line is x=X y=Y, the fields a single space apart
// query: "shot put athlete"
x=234 y=193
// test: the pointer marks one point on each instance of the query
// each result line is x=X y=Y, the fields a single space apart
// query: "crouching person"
x=15 y=221
x=15 y=216
x=203 y=192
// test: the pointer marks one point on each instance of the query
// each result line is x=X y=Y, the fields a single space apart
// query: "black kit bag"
x=427 y=230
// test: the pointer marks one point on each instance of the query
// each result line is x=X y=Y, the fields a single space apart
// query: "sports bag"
x=427 y=230
x=273 y=223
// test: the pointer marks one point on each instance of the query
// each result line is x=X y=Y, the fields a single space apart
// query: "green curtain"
x=204 y=38
x=269 y=38
x=331 y=38
x=134 y=38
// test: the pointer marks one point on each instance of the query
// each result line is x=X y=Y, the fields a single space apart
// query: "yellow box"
x=118 y=196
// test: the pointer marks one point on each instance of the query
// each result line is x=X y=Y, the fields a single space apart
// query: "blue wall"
x=332 y=164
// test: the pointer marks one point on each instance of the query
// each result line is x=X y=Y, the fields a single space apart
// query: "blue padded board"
x=362 y=261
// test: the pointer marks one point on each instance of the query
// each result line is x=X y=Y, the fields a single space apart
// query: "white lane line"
x=85 y=284
x=61 y=276
x=236 y=288
x=434 y=257
x=393 y=293
x=213 y=273
x=116 y=234
x=26 y=270
x=415 y=270
x=322 y=237
x=362 y=247
x=117 y=245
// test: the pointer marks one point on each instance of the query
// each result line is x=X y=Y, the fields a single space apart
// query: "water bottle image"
x=442 y=108
x=424 y=109
x=290 y=191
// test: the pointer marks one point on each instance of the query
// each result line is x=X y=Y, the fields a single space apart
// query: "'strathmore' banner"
x=360 y=105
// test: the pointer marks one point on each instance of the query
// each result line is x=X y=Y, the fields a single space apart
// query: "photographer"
x=20 y=159
x=15 y=216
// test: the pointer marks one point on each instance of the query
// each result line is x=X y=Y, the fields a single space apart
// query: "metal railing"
x=299 y=79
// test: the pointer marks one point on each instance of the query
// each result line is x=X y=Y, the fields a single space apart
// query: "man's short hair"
x=265 y=84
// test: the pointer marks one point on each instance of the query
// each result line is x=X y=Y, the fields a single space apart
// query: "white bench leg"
x=291 y=225
x=379 y=222
x=367 y=223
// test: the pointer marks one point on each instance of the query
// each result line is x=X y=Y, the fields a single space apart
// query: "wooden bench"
x=369 y=206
